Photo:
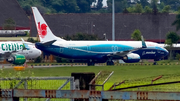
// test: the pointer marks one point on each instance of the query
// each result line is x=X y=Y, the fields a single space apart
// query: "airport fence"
x=97 y=64
x=48 y=83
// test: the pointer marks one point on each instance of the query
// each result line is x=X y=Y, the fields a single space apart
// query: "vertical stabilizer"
x=25 y=46
x=44 y=32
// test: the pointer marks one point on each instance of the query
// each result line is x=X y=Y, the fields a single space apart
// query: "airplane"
x=16 y=53
x=95 y=51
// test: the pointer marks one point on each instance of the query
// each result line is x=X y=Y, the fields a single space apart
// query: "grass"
x=120 y=72
x=134 y=75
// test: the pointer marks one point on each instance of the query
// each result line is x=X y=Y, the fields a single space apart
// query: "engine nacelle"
x=131 y=58
x=17 y=59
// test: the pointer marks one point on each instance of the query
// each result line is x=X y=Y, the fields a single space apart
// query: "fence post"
x=25 y=87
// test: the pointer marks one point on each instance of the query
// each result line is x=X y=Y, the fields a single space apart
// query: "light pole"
x=104 y=36
x=113 y=22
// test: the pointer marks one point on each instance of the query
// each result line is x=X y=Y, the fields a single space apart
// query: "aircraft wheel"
x=110 y=62
x=90 y=63
x=155 y=63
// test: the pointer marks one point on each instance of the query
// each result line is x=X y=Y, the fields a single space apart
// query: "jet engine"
x=16 y=59
x=131 y=58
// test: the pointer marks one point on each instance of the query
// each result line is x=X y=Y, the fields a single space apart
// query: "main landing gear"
x=110 y=62
x=90 y=63
x=155 y=63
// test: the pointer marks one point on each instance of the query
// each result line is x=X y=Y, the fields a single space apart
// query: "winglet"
x=25 y=46
x=143 y=42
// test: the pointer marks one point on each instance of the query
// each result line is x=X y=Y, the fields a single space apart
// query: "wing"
x=5 y=55
x=123 y=53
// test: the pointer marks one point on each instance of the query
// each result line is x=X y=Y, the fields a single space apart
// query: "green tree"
x=84 y=5
x=125 y=10
x=9 y=24
x=65 y=6
x=67 y=37
x=166 y=9
x=171 y=38
x=161 y=6
x=177 y=22
x=99 y=4
x=138 y=8
x=70 y=6
x=131 y=9
x=178 y=56
x=174 y=4
x=147 y=9
x=144 y=3
x=136 y=35
x=154 y=6
x=82 y=36
x=57 y=5
x=31 y=40
x=119 y=5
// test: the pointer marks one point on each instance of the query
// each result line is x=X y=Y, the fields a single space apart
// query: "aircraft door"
x=114 y=48
x=61 y=48
x=88 y=48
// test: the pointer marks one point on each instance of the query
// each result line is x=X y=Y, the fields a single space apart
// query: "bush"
x=58 y=59
x=178 y=56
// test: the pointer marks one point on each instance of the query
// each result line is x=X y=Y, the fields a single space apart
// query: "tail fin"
x=44 y=32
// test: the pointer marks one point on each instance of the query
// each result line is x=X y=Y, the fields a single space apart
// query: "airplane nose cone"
x=166 y=53
x=37 y=44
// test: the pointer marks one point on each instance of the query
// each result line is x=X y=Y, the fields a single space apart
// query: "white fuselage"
x=16 y=47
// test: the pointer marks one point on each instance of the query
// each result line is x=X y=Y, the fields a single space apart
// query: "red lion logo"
x=42 y=30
